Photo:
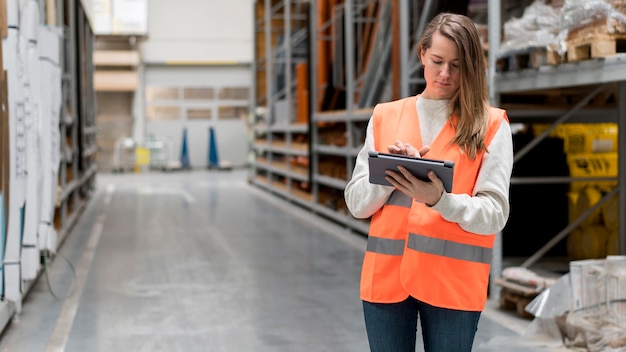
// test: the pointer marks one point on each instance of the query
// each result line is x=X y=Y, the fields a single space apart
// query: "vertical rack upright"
x=78 y=170
x=280 y=136
x=87 y=147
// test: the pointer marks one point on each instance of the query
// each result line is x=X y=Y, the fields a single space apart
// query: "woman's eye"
x=437 y=62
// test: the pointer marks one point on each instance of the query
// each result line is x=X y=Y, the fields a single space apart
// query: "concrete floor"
x=204 y=261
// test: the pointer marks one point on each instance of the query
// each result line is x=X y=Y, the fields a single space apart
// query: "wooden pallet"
x=532 y=57
x=601 y=46
x=597 y=40
x=514 y=296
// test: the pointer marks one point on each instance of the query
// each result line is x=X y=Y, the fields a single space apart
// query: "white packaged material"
x=579 y=13
x=49 y=112
x=12 y=14
x=538 y=27
x=12 y=56
x=29 y=24
x=598 y=292
x=587 y=282
x=616 y=289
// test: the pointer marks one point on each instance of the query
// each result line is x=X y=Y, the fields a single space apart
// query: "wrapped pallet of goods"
x=530 y=41
x=595 y=321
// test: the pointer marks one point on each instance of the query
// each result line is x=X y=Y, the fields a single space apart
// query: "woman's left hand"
x=428 y=192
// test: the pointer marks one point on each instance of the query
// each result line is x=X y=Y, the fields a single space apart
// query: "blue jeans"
x=392 y=327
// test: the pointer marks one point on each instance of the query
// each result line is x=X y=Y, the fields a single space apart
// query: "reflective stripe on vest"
x=400 y=199
x=449 y=249
x=385 y=246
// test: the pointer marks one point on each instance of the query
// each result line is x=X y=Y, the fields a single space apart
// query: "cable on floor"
x=46 y=260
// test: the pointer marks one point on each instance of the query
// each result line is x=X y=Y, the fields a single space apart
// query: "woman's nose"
x=445 y=71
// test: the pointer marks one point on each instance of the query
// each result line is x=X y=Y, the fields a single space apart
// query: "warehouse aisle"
x=203 y=261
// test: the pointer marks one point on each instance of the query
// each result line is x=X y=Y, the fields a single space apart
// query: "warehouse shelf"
x=282 y=169
x=331 y=182
x=546 y=114
x=280 y=142
x=342 y=115
x=301 y=198
x=78 y=107
x=587 y=72
x=334 y=150
x=76 y=172
x=90 y=151
x=294 y=128
x=76 y=114
x=90 y=130
x=281 y=148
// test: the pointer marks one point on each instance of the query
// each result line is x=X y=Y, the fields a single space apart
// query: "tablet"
x=380 y=162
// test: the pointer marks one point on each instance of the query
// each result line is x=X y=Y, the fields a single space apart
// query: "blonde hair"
x=471 y=101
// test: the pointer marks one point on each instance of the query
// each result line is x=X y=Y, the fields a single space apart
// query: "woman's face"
x=441 y=68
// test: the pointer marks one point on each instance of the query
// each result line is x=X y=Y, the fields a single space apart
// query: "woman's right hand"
x=407 y=149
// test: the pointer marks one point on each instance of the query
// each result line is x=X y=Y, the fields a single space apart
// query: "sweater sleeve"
x=362 y=198
x=487 y=210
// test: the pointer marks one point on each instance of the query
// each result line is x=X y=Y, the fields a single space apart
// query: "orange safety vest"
x=411 y=249
x=380 y=274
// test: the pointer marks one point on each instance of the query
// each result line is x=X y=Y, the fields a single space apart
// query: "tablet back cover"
x=380 y=162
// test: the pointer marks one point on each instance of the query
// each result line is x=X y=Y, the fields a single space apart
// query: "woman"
x=429 y=251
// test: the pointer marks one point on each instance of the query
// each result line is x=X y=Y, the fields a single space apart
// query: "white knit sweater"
x=485 y=212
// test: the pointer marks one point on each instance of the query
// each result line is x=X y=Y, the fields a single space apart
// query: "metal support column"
x=313 y=97
x=404 y=48
x=621 y=173
x=269 y=73
x=287 y=46
x=350 y=69
x=494 y=20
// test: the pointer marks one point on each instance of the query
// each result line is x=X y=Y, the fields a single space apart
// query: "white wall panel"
x=201 y=31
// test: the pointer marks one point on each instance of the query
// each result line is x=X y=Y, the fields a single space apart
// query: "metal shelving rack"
x=276 y=140
x=360 y=89
x=351 y=116
x=87 y=129
x=77 y=172
x=595 y=73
